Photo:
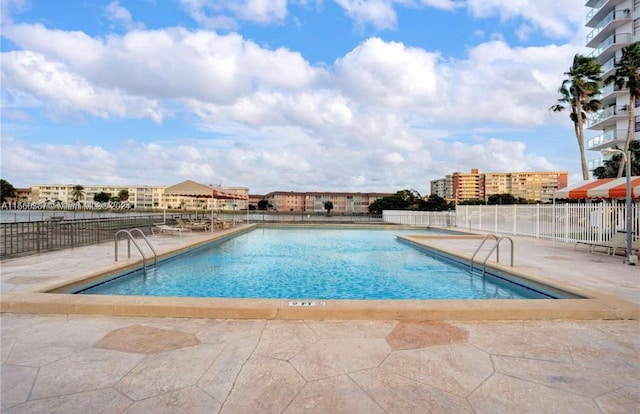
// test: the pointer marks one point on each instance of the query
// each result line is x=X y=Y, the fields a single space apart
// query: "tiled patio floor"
x=111 y=364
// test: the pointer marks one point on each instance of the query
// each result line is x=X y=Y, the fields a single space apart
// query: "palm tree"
x=627 y=76
x=77 y=192
x=577 y=93
x=611 y=167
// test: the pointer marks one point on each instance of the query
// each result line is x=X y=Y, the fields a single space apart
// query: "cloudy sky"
x=284 y=95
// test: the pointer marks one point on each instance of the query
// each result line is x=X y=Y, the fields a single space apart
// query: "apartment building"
x=614 y=24
x=141 y=197
x=538 y=186
x=313 y=202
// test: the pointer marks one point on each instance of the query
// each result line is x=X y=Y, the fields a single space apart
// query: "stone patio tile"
x=56 y=331
x=419 y=334
x=622 y=400
x=87 y=370
x=168 y=371
x=285 y=339
x=265 y=385
x=559 y=375
x=40 y=354
x=6 y=345
x=331 y=357
x=399 y=394
x=232 y=331
x=457 y=369
x=502 y=394
x=16 y=384
x=623 y=332
x=333 y=395
x=190 y=400
x=515 y=339
x=221 y=375
x=143 y=339
x=104 y=401
x=351 y=329
x=14 y=323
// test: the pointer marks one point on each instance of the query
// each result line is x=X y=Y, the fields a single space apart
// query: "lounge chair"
x=617 y=241
x=222 y=224
x=166 y=229
x=192 y=226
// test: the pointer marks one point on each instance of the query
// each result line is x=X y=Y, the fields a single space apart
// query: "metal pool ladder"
x=130 y=239
x=496 y=247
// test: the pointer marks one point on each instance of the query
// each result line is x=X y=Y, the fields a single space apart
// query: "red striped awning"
x=603 y=188
x=196 y=190
x=228 y=195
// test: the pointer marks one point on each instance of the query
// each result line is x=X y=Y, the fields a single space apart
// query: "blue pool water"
x=277 y=263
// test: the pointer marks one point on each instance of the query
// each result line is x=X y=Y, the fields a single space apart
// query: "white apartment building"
x=140 y=197
x=615 y=24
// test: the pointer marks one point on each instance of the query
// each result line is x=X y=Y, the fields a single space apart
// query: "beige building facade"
x=535 y=186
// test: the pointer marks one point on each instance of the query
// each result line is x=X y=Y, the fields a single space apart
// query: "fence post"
x=38 y=236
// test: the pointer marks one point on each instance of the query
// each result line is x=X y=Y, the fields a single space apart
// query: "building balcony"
x=609 y=67
x=607 y=49
x=609 y=93
x=595 y=163
x=599 y=8
x=612 y=20
x=607 y=117
x=608 y=138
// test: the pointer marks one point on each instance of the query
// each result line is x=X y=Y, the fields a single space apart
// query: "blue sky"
x=302 y=95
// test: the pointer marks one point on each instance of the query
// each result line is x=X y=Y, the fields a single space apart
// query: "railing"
x=257 y=216
x=23 y=238
x=617 y=38
x=130 y=238
x=570 y=223
x=428 y=219
x=611 y=16
x=496 y=248
x=606 y=137
x=607 y=113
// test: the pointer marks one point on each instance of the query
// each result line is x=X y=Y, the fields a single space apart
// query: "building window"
x=636 y=27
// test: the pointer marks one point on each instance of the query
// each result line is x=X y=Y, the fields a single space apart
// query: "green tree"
x=102 y=197
x=501 y=199
x=263 y=204
x=611 y=167
x=77 y=192
x=123 y=195
x=472 y=202
x=627 y=76
x=577 y=93
x=435 y=203
x=6 y=190
x=328 y=205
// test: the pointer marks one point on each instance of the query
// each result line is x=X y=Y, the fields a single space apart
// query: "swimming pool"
x=286 y=263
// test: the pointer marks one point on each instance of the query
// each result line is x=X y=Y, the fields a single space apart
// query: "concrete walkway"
x=63 y=363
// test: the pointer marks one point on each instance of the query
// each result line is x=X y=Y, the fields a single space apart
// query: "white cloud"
x=121 y=16
x=381 y=116
x=379 y=13
x=388 y=72
x=552 y=17
x=217 y=14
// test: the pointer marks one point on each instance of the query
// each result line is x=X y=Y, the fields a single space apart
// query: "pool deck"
x=61 y=354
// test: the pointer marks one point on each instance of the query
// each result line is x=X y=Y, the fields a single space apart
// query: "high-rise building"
x=536 y=186
x=615 y=24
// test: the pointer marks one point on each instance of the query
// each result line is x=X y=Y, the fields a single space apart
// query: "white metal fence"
x=561 y=222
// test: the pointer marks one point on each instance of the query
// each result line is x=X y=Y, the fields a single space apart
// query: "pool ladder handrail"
x=130 y=239
x=496 y=247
